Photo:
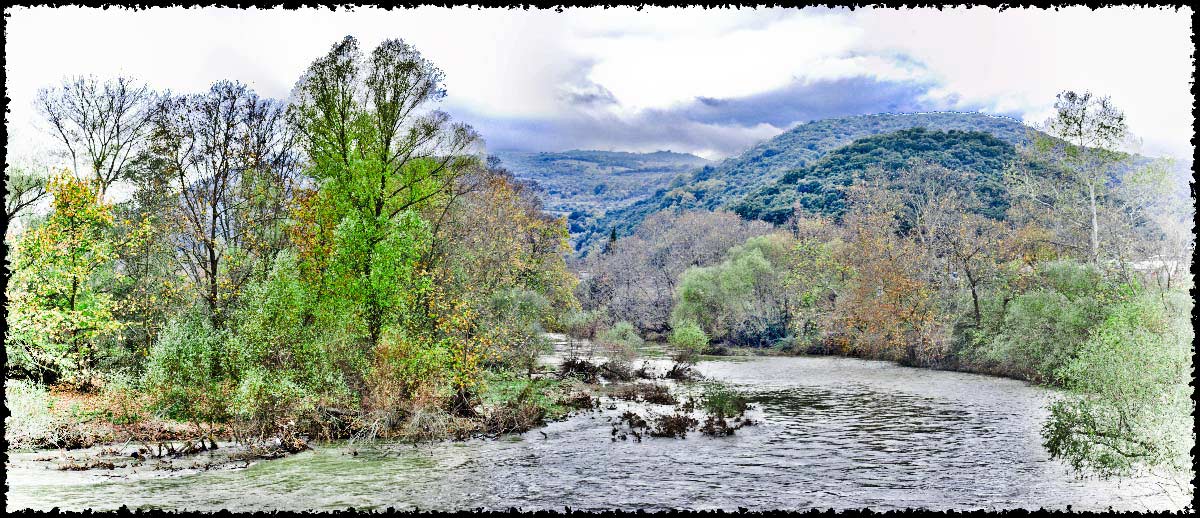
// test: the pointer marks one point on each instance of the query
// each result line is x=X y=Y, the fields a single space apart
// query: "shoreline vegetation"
x=96 y=431
x=348 y=266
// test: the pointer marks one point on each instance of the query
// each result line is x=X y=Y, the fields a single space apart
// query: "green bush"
x=621 y=341
x=1034 y=332
x=688 y=340
x=742 y=300
x=1131 y=405
x=517 y=317
x=722 y=402
x=190 y=372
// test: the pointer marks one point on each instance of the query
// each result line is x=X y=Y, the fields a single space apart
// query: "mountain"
x=597 y=181
x=726 y=184
x=819 y=187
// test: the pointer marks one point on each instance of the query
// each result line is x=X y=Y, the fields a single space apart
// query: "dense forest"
x=350 y=263
x=820 y=188
x=724 y=184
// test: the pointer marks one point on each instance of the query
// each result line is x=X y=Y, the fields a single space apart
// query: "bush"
x=583 y=325
x=621 y=342
x=282 y=367
x=721 y=402
x=1132 y=406
x=30 y=422
x=516 y=321
x=1033 y=333
x=742 y=300
x=190 y=372
x=688 y=340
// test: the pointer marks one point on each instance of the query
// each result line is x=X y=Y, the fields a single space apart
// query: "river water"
x=832 y=433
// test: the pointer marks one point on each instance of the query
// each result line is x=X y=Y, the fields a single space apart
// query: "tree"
x=886 y=308
x=744 y=299
x=1130 y=407
x=229 y=158
x=382 y=160
x=377 y=161
x=102 y=125
x=639 y=275
x=25 y=188
x=493 y=235
x=688 y=341
x=1072 y=169
x=57 y=311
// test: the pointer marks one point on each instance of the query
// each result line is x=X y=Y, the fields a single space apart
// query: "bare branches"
x=230 y=155
x=101 y=125
x=24 y=189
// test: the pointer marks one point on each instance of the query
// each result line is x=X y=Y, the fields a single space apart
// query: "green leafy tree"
x=743 y=300
x=58 y=312
x=377 y=162
x=381 y=158
x=688 y=340
x=24 y=189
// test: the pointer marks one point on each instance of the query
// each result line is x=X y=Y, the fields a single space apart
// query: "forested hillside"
x=595 y=181
x=725 y=184
x=978 y=157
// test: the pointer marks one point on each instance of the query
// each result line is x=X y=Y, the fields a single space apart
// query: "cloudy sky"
x=710 y=82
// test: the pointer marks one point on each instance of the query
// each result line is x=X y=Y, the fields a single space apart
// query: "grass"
x=722 y=402
x=512 y=389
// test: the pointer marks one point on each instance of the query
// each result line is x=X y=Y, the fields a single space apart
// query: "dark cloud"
x=726 y=125
x=805 y=101
x=592 y=96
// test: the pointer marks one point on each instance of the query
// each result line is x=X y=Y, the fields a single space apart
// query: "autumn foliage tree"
x=59 y=313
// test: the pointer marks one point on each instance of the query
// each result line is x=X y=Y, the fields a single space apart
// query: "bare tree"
x=637 y=278
x=229 y=154
x=102 y=125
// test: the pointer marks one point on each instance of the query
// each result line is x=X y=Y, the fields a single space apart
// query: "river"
x=833 y=433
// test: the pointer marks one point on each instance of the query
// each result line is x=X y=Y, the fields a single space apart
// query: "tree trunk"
x=1095 y=224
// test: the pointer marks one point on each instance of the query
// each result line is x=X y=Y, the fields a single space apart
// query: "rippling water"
x=834 y=432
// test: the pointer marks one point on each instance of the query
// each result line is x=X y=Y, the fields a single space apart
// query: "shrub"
x=743 y=300
x=582 y=325
x=1036 y=331
x=30 y=422
x=688 y=340
x=516 y=321
x=190 y=373
x=721 y=402
x=1131 y=408
x=621 y=342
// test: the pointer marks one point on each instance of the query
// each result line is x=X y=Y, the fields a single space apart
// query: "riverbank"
x=103 y=429
x=109 y=430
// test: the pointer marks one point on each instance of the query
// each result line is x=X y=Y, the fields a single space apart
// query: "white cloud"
x=1018 y=59
x=538 y=64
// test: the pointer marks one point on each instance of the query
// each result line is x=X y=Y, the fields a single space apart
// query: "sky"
x=711 y=82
